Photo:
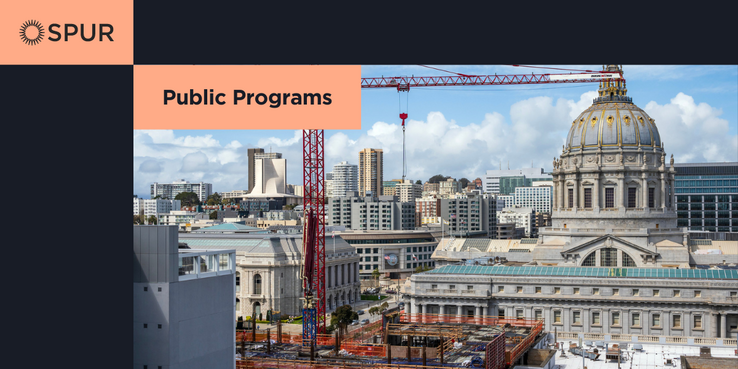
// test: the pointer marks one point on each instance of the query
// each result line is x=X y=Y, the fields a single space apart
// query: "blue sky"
x=463 y=131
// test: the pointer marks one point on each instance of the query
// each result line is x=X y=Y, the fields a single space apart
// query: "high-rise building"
x=370 y=212
x=469 y=215
x=328 y=185
x=522 y=217
x=449 y=186
x=492 y=179
x=706 y=196
x=154 y=206
x=345 y=178
x=389 y=188
x=252 y=153
x=408 y=191
x=171 y=190
x=539 y=198
x=371 y=169
x=270 y=175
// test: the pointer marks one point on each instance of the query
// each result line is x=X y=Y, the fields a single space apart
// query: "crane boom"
x=404 y=83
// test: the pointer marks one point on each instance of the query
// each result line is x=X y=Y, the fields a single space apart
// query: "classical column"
x=621 y=194
x=605 y=320
x=479 y=310
x=644 y=194
x=485 y=311
x=625 y=321
x=646 y=322
x=562 y=182
x=596 y=192
x=723 y=326
x=459 y=310
x=663 y=194
x=442 y=310
x=714 y=323
x=687 y=323
x=576 y=193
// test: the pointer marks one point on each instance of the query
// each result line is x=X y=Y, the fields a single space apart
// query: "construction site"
x=401 y=340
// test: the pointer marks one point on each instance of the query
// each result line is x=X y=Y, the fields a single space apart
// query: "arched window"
x=628 y=261
x=238 y=282
x=257 y=284
x=590 y=260
x=238 y=305
x=608 y=257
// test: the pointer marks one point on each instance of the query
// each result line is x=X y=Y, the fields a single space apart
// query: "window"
x=159 y=289
x=609 y=257
x=557 y=290
x=159 y=326
x=733 y=294
x=697 y=293
x=656 y=320
x=651 y=197
x=636 y=292
x=146 y=325
x=590 y=260
x=676 y=321
x=469 y=288
x=452 y=287
x=539 y=315
x=519 y=289
x=636 y=319
x=519 y=314
x=538 y=289
x=632 y=197
x=616 y=318
x=697 y=322
x=677 y=293
x=571 y=198
x=238 y=305
x=577 y=317
x=615 y=291
x=587 y=197
x=146 y=289
x=257 y=284
x=576 y=290
x=609 y=197
x=500 y=289
x=655 y=292
x=628 y=261
x=595 y=291
x=595 y=318
x=434 y=286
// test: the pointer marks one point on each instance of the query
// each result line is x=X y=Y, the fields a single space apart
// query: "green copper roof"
x=219 y=242
x=230 y=227
x=589 y=272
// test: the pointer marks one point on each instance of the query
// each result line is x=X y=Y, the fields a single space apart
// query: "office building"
x=538 y=198
x=389 y=188
x=524 y=218
x=706 y=196
x=370 y=212
x=371 y=167
x=427 y=210
x=395 y=254
x=252 y=157
x=328 y=185
x=155 y=207
x=496 y=180
x=171 y=190
x=183 y=302
x=469 y=215
x=345 y=178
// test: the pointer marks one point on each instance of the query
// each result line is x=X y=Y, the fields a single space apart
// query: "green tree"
x=214 y=199
x=343 y=316
x=464 y=182
x=418 y=182
x=383 y=307
x=374 y=310
x=152 y=219
x=138 y=219
x=375 y=274
x=214 y=214
x=188 y=198
x=437 y=178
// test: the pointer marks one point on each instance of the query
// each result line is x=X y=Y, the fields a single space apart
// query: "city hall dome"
x=613 y=121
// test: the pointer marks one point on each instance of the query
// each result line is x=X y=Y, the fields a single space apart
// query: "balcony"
x=211 y=263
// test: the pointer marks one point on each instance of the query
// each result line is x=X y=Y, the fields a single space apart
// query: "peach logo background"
x=341 y=81
x=119 y=14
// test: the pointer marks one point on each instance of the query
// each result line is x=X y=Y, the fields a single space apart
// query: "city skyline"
x=463 y=131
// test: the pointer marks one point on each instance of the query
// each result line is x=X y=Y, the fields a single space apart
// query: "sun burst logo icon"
x=32 y=32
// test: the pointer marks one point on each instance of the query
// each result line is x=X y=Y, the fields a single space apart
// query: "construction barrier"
x=495 y=353
x=452 y=318
x=364 y=349
x=518 y=350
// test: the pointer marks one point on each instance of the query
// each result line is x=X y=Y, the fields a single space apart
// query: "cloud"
x=150 y=166
x=694 y=132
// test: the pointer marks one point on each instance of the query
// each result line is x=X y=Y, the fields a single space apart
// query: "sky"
x=462 y=131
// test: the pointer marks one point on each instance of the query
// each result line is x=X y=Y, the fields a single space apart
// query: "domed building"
x=613 y=189
x=613 y=265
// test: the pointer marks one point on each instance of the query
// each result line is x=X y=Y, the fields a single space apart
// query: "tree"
x=343 y=316
x=214 y=214
x=384 y=306
x=464 y=182
x=375 y=274
x=418 y=182
x=152 y=219
x=138 y=219
x=214 y=199
x=437 y=178
x=188 y=198
x=374 y=310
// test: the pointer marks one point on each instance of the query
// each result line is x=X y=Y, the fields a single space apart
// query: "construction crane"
x=313 y=271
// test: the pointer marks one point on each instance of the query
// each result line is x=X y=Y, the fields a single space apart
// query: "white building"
x=522 y=217
x=328 y=185
x=171 y=190
x=270 y=177
x=154 y=207
x=345 y=178
x=539 y=198
x=449 y=186
x=491 y=180
x=408 y=191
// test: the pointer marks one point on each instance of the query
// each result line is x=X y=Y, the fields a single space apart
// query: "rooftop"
x=588 y=272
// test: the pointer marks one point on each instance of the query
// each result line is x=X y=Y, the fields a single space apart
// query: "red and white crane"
x=314 y=169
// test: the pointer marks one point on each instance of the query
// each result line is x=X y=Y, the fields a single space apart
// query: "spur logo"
x=32 y=32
